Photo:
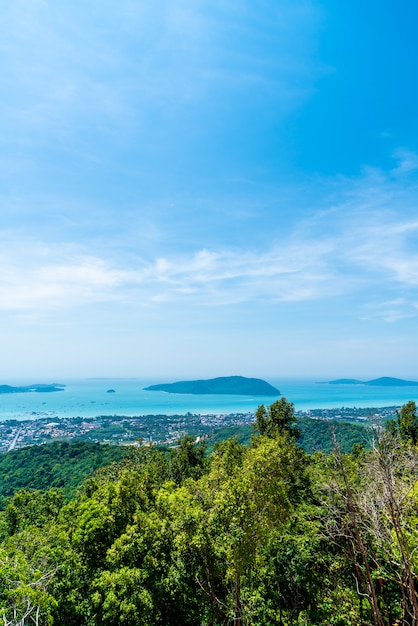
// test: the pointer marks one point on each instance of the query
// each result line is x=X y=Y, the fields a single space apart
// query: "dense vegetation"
x=66 y=465
x=316 y=435
x=58 y=464
x=261 y=534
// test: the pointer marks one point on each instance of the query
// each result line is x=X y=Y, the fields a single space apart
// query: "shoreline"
x=90 y=399
x=160 y=429
x=305 y=412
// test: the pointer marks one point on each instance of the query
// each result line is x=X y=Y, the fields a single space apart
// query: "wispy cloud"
x=391 y=311
x=205 y=278
x=407 y=161
x=363 y=246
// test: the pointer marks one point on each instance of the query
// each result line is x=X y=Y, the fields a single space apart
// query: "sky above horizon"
x=197 y=189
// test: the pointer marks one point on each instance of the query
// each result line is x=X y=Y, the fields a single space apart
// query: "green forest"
x=259 y=532
x=59 y=464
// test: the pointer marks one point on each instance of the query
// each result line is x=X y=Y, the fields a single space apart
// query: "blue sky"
x=194 y=188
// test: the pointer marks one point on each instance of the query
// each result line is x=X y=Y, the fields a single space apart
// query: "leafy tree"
x=408 y=423
x=188 y=459
x=33 y=507
x=278 y=419
x=29 y=562
x=24 y=596
x=120 y=598
x=247 y=495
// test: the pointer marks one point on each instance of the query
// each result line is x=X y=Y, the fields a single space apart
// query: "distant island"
x=233 y=385
x=384 y=381
x=31 y=388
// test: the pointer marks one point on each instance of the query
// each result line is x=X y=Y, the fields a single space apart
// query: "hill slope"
x=58 y=464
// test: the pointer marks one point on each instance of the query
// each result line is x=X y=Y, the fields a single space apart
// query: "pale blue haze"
x=195 y=188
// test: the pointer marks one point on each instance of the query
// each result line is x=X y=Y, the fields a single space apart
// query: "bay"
x=91 y=397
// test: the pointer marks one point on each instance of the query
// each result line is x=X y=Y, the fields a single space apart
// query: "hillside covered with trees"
x=58 y=464
x=256 y=534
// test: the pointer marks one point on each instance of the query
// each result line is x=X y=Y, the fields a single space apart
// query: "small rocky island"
x=232 y=385
x=384 y=381
x=31 y=388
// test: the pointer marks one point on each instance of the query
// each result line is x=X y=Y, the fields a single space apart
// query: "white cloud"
x=385 y=248
x=295 y=271
x=391 y=311
x=50 y=286
x=361 y=243
x=214 y=278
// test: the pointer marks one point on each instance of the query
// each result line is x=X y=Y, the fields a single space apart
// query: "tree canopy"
x=256 y=535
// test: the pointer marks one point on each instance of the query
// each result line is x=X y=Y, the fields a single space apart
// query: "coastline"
x=156 y=429
x=90 y=398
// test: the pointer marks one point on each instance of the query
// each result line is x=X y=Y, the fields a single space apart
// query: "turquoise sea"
x=87 y=398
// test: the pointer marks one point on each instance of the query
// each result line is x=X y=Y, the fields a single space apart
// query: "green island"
x=234 y=385
x=384 y=381
x=39 y=388
x=252 y=529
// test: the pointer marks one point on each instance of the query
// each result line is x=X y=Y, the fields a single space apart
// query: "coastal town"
x=118 y=430
x=154 y=429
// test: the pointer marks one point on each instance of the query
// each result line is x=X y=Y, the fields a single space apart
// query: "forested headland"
x=259 y=533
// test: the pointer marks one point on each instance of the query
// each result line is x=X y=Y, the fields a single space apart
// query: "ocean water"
x=88 y=398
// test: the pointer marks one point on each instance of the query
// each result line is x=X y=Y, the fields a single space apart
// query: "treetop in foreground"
x=277 y=419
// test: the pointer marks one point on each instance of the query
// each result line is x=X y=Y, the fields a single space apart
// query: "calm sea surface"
x=87 y=398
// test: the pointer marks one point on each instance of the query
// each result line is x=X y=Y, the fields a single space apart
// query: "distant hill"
x=31 y=388
x=58 y=464
x=234 y=385
x=346 y=381
x=384 y=381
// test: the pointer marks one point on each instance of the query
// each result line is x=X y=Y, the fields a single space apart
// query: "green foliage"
x=277 y=419
x=31 y=508
x=256 y=535
x=408 y=423
x=29 y=562
x=59 y=464
x=241 y=433
x=188 y=459
x=23 y=590
x=316 y=435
